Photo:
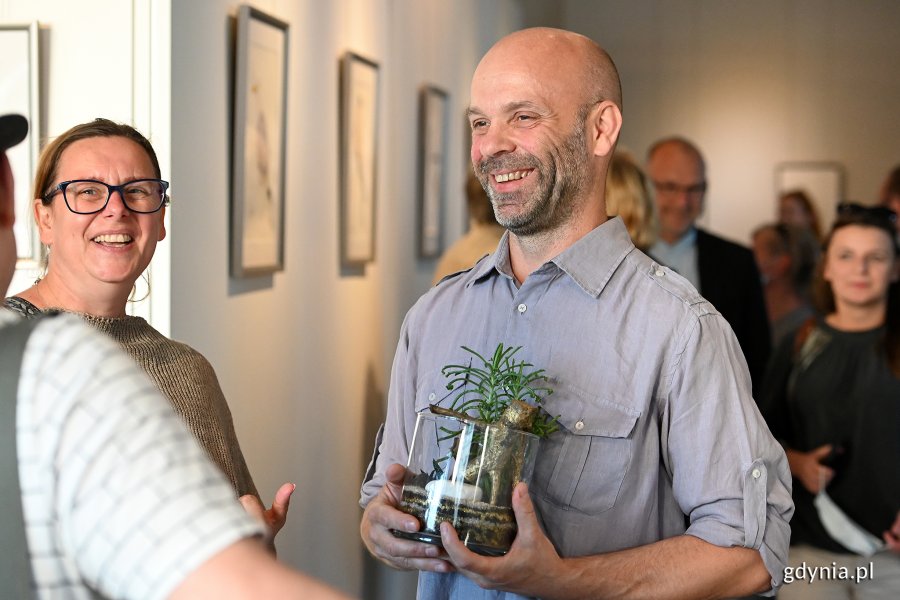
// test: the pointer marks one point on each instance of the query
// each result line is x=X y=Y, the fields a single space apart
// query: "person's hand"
x=530 y=563
x=808 y=467
x=273 y=518
x=892 y=536
x=382 y=515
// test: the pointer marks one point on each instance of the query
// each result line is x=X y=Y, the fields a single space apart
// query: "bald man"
x=657 y=420
x=724 y=272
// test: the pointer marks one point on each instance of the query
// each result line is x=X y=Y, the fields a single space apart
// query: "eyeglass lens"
x=87 y=196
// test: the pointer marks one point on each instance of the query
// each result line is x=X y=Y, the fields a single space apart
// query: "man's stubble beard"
x=562 y=176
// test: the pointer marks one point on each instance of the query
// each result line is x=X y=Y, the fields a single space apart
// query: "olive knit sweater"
x=185 y=377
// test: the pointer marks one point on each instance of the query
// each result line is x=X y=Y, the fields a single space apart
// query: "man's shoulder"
x=668 y=282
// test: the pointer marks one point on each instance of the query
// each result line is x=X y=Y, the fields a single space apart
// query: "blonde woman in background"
x=627 y=196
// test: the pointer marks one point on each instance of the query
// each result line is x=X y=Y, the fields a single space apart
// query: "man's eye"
x=479 y=124
x=520 y=118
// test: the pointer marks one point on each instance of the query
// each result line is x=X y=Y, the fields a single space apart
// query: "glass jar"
x=464 y=472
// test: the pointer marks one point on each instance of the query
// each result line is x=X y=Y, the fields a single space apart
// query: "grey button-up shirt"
x=651 y=387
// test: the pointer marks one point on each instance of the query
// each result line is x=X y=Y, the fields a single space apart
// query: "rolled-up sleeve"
x=729 y=474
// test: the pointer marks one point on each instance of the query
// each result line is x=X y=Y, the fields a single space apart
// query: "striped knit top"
x=185 y=377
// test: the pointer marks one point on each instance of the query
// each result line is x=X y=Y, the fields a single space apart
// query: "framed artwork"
x=823 y=182
x=359 y=140
x=260 y=123
x=20 y=93
x=432 y=168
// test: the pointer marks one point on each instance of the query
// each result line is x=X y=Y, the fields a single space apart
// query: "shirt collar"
x=590 y=261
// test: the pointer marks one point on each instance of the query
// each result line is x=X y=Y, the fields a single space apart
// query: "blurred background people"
x=100 y=208
x=786 y=256
x=724 y=272
x=890 y=192
x=796 y=208
x=832 y=397
x=628 y=197
x=481 y=239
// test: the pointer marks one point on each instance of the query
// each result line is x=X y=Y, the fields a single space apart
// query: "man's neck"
x=528 y=253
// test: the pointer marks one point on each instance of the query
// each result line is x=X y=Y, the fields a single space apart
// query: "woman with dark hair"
x=797 y=209
x=100 y=206
x=832 y=397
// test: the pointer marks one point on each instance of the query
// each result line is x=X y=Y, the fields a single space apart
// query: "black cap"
x=13 y=129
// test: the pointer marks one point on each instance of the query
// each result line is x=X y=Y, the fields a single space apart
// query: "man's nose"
x=495 y=141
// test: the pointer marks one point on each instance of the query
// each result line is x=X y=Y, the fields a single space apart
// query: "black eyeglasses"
x=671 y=189
x=877 y=212
x=89 y=196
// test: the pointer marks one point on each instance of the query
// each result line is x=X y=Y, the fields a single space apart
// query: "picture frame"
x=433 y=106
x=259 y=127
x=823 y=182
x=20 y=93
x=358 y=168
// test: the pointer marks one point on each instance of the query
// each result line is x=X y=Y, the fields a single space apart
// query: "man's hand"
x=531 y=562
x=892 y=535
x=808 y=467
x=382 y=515
x=273 y=518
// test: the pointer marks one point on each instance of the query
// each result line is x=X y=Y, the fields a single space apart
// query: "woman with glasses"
x=832 y=397
x=100 y=213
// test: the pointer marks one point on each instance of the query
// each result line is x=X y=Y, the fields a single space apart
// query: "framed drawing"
x=432 y=159
x=823 y=182
x=260 y=123
x=20 y=93
x=359 y=140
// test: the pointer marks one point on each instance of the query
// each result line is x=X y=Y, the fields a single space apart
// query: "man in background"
x=724 y=272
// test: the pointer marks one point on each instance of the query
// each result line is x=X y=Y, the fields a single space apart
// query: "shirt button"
x=431 y=397
x=659 y=273
x=755 y=473
x=579 y=425
x=522 y=308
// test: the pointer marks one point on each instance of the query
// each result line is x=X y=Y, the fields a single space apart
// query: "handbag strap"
x=15 y=566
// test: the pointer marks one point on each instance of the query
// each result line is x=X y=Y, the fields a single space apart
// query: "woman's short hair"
x=48 y=162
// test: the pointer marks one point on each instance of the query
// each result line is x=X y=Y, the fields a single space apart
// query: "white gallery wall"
x=304 y=355
x=755 y=84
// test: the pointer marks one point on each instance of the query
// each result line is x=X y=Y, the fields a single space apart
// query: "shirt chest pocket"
x=582 y=466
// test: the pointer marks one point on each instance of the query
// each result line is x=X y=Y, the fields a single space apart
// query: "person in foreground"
x=832 y=397
x=100 y=207
x=651 y=388
x=117 y=497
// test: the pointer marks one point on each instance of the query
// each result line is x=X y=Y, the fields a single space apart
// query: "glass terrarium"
x=463 y=471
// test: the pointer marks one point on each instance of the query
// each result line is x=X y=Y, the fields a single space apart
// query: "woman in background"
x=796 y=208
x=627 y=197
x=100 y=212
x=786 y=257
x=832 y=397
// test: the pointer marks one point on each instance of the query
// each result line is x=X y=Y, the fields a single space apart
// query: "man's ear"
x=606 y=122
x=43 y=216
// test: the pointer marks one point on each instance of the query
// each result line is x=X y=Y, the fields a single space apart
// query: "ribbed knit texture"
x=186 y=378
